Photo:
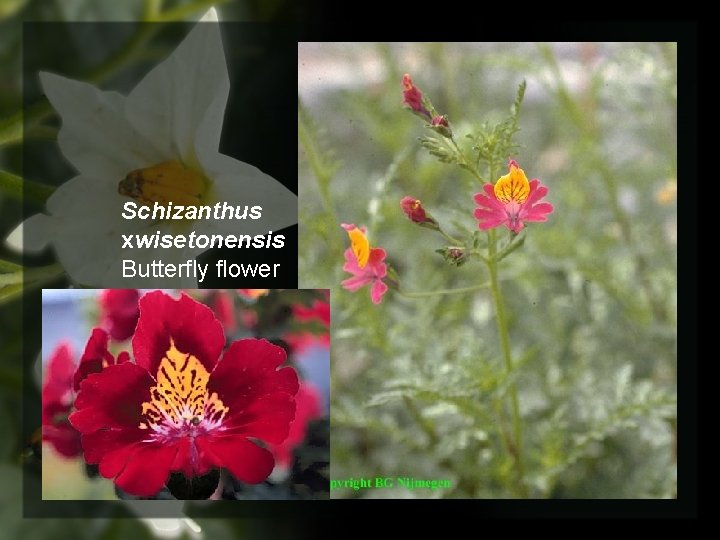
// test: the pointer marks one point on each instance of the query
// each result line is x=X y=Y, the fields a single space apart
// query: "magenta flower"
x=414 y=210
x=366 y=264
x=512 y=201
x=413 y=98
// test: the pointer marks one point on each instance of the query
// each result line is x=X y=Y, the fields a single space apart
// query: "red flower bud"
x=413 y=98
x=413 y=209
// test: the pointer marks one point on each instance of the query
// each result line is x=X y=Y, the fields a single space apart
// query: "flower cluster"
x=512 y=200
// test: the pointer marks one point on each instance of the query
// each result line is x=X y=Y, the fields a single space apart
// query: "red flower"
x=224 y=308
x=319 y=312
x=57 y=398
x=413 y=98
x=96 y=357
x=120 y=312
x=413 y=209
x=309 y=408
x=179 y=407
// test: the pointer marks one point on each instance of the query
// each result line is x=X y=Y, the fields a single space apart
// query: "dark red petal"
x=112 y=398
x=190 y=460
x=245 y=460
x=95 y=357
x=59 y=375
x=100 y=443
x=309 y=407
x=267 y=418
x=258 y=395
x=147 y=470
x=248 y=371
x=113 y=463
x=319 y=311
x=190 y=324
x=120 y=312
x=64 y=438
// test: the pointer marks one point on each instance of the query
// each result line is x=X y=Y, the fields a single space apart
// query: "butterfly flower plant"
x=506 y=201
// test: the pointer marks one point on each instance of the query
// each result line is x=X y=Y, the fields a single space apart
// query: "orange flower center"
x=170 y=181
x=513 y=187
x=180 y=399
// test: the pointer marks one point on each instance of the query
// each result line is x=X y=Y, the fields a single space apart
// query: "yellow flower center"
x=180 y=400
x=170 y=181
x=360 y=246
x=513 y=187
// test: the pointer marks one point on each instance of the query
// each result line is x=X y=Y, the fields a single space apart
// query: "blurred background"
x=591 y=296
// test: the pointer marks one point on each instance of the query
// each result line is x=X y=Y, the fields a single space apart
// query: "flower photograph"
x=190 y=394
x=498 y=225
x=126 y=150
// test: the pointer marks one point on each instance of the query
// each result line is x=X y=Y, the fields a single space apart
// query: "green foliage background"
x=418 y=387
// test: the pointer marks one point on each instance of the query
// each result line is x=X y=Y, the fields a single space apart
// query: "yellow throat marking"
x=513 y=187
x=360 y=246
x=180 y=398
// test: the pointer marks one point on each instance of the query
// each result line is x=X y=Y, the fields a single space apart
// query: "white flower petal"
x=32 y=235
x=95 y=136
x=239 y=183
x=210 y=16
x=170 y=103
x=87 y=196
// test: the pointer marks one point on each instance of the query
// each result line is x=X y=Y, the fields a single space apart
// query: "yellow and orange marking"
x=360 y=246
x=181 y=397
x=513 y=187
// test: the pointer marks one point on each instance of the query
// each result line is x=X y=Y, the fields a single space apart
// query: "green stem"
x=469 y=166
x=425 y=294
x=321 y=172
x=449 y=238
x=18 y=188
x=504 y=334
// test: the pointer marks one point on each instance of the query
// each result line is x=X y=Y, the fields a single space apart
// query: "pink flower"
x=512 y=201
x=372 y=271
x=413 y=98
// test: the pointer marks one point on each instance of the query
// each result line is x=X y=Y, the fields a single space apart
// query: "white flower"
x=174 y=114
